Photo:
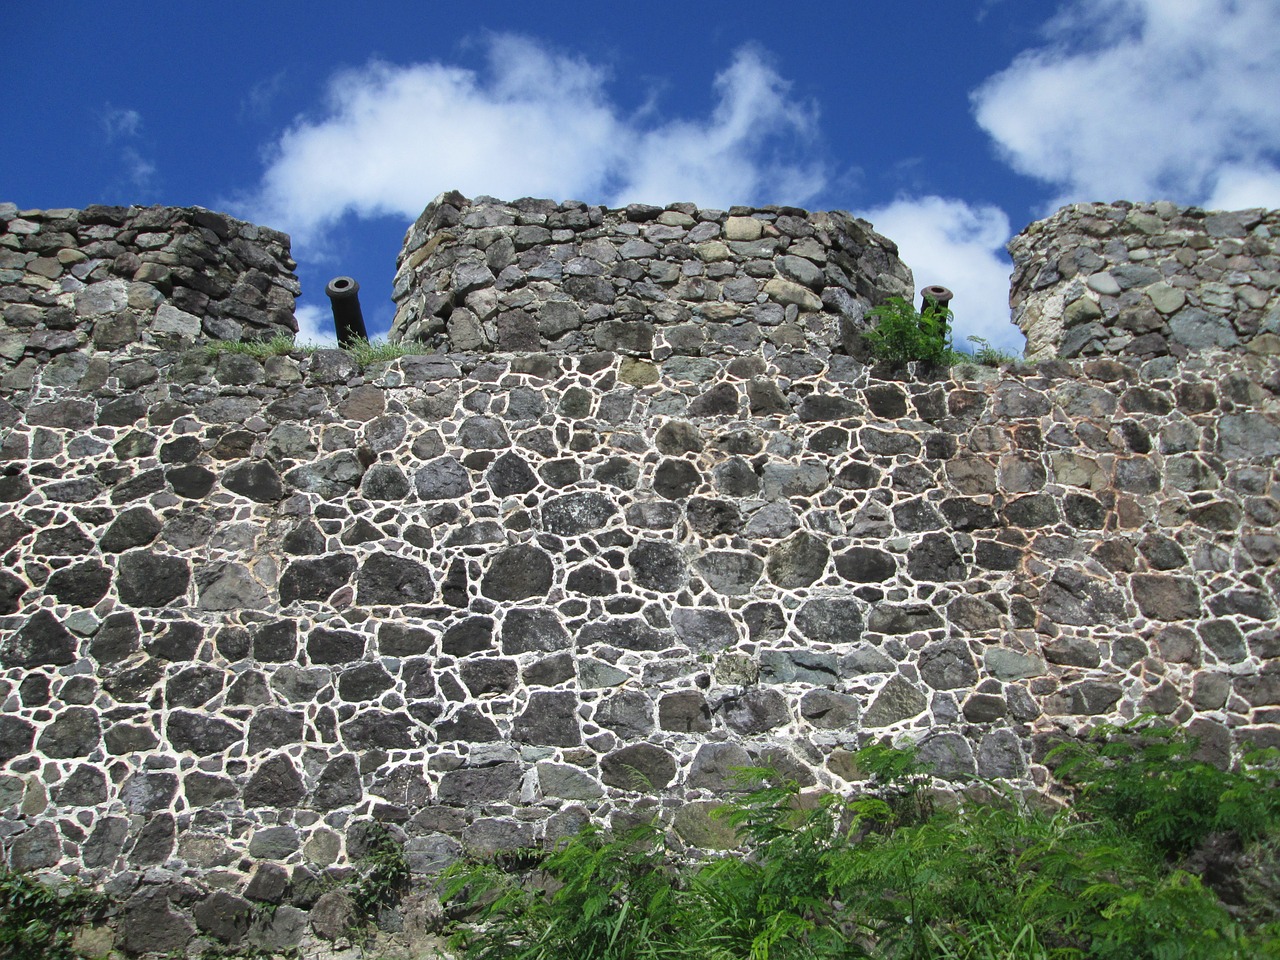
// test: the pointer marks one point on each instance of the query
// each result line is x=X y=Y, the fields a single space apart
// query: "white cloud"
x=123 y=129
x=1146 y=99
x=534 y=122
x=120 y=123
x=1239 y=187
x=315 y=326
x=960 y=246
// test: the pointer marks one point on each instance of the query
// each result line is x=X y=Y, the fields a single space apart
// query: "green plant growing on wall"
x=382 y=875
x=903 y=334
x=37 y=920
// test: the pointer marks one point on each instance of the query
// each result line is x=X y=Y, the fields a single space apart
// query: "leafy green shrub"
x=902 y=334
x=599 y=898
x=37 y=920
x=883 y=875
x=1144 y=777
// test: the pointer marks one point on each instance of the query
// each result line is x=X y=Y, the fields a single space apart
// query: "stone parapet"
x=1147 y=280
x=101 y=279
x=536 y=275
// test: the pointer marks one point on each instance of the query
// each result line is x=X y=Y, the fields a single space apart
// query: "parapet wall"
x=1147 y=280
x=484 y=597
x=480 y=275
x=102 y=279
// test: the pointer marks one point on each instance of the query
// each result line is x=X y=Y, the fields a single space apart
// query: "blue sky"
x=950 y=124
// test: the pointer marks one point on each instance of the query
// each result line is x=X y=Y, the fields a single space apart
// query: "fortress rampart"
x=586 y=560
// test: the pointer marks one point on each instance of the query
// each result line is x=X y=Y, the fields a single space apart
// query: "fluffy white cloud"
x=534 y=122
x=315 y=326
x=960 y=246
x=1146 y=99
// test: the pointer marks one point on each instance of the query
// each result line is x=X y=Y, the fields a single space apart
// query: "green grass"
x=364 y=352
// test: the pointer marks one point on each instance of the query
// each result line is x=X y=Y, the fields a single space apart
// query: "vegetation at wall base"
x=37 y=920
x=893 y=874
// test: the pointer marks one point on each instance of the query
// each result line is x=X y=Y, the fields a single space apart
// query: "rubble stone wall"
x=247 y=606
x=480 y=275
x=1147 y=280
x=101 y=279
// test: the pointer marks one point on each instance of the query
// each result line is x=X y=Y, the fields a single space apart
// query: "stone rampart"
x=247 y=605
x=479 y=275
x=1147 y=280
x=101 y=279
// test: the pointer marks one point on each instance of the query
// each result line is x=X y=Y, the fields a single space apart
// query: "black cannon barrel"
x=936 y=295
x=344 y=297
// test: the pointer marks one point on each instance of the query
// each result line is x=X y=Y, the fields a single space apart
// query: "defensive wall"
x=645 y=516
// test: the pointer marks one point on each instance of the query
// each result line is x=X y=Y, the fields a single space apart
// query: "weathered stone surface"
x=641 y=767
x=755 y=711
x=729 y=572
x=897 y=700
x=797 y=561
x=518 y=573
x=527 y=630
x=40 y=641
x=947 y=665
x=146 y=579
x=549 y=719
x=1164 y=597
x=149 y=923
x=828 y=710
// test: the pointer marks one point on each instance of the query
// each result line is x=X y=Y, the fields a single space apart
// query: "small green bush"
x=37 y=920
x=903 y=334
x=382 y=874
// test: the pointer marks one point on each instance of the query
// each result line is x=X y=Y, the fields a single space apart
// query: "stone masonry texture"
x=644 y=517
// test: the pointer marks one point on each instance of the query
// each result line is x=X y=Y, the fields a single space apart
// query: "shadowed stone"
x=386 y=578
x=146 y=579
x=641 y=767
x=517 y=573
x=550 y=719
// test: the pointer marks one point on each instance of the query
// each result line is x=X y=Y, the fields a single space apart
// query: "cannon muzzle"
x=344 y=297
x=936 y=296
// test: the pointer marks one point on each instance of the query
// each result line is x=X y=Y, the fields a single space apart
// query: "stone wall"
x=536 y=275
x=100 y=279
x=247 y=606
x=1147 y=280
